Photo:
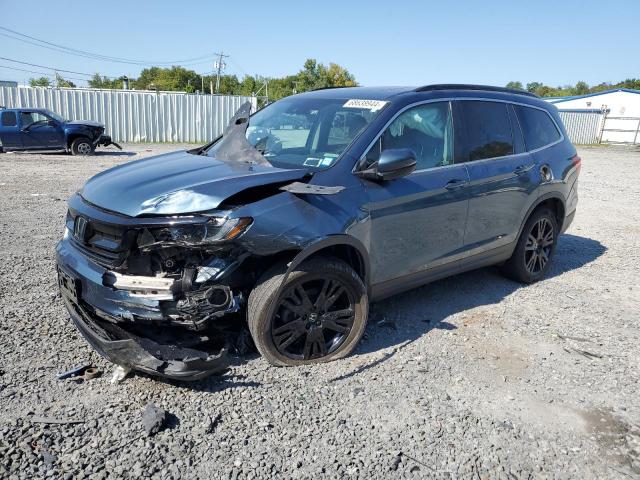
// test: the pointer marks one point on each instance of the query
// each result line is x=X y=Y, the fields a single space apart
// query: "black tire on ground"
x=317 y=315
x=535 y=248
x=82 y=146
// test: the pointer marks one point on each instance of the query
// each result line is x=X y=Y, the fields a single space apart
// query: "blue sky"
x=380 y=42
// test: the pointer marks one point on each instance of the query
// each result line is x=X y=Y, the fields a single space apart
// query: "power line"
x=53 y=68
x=42 y=73
x=96 y=56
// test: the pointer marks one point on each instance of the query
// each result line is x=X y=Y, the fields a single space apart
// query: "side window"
x=29 y=118
x=486 y=130
x=537 y=127
x=426 y=129
x=26 y=119
x=9 y=119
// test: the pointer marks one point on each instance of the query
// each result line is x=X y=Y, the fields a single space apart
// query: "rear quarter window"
x=537 y=127
x=9 y=119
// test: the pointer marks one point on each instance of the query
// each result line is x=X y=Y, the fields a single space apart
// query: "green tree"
x=39 y=82
x=633 y=83
x=581 y=88
x=312 y=75
x=61 y=82
x=105 y=82
x=515 y=85
x=533 y=86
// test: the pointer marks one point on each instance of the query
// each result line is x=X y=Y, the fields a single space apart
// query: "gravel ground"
x=470 y=377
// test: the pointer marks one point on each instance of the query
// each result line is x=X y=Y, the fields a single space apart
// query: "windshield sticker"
x=373 y=105
x=312 y=162
x=327 y=161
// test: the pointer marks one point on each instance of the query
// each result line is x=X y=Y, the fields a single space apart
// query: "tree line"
x=580 y=88
x=312 y=75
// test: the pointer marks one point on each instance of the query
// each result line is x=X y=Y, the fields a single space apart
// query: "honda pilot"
x=300 y=215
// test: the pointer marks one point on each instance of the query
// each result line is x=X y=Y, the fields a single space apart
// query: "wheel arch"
x=552 y=200
x=73 y=136
x=344 y=247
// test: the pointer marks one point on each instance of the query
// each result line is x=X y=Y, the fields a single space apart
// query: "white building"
x=622 y=108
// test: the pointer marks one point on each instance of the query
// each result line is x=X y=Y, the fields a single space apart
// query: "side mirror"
x=393 y=163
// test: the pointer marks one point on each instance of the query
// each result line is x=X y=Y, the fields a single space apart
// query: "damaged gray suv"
x=298 y=216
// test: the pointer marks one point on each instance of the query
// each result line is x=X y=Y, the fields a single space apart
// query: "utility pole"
x=219 y=66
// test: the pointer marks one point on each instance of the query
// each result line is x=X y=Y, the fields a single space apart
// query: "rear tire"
x=82 y=146
x=535 y=248
x=317 y=315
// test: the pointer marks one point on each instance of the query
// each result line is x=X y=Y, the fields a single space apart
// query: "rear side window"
x=483 y=131
x=9 y=119
x=537 y=127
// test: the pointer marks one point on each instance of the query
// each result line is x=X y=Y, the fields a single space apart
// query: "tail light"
x=577 y=162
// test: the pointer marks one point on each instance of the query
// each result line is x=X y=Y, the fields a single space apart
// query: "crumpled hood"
x=88 y=123
x=178 y=183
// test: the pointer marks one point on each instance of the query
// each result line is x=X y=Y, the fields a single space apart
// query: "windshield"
x=55 y=116
x=307 y=132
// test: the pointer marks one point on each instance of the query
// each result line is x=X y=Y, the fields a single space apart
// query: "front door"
x=417 y=222
x=40 y=131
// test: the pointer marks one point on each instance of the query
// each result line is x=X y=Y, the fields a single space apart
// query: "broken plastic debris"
x=119 y=373
x=74 y=372
x=91 y=372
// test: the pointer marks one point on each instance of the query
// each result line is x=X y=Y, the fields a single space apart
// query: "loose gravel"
x=474 y=376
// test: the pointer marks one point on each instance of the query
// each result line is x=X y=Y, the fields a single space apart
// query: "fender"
x=331 y=241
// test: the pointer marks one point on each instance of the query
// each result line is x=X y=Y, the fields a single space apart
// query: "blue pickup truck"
x=39 y=129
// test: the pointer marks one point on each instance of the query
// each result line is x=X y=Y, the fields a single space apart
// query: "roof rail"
x=462 y=86
x=331 y=88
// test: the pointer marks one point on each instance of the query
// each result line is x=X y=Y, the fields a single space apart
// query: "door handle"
x=455 y=184
x=520 y=169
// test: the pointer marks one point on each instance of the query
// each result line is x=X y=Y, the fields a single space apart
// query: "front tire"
x=535 y=248
x=82 y=146
x=317 y=315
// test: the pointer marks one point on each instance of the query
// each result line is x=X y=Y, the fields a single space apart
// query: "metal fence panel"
x=135 y=116
x=583 y=127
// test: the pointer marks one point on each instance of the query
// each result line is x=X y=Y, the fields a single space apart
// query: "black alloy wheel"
x=313 y=319
x=314 y=313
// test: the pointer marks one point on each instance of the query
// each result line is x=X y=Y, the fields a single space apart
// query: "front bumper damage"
x=178 y=325
x=105 y=141
x=143 y=354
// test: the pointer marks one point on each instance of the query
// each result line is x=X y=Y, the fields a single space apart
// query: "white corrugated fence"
x=135 y=116
x=583 y=126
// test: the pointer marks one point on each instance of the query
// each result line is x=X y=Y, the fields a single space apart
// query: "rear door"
x=489 y=142
x=9 y=131
x=417 y=222
x=40 y=131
